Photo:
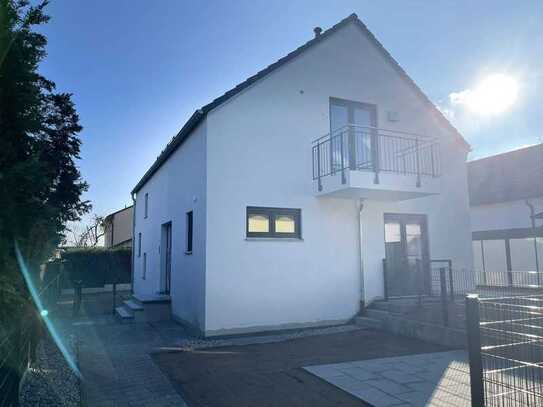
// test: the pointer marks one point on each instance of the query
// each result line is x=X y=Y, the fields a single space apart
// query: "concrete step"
x=133 y=305
x=124 y=314
x=366 y=322
x=380 y=305
x=376 y=313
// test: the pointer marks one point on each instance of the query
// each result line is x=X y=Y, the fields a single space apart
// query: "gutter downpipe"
x=532 y=220
x=360 y=258
x=134 y=243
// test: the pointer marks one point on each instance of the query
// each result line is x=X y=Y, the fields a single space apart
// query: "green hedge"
x=98 y=266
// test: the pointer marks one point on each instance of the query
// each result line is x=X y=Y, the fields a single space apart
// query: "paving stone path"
x=430 y=379
x=116 y=364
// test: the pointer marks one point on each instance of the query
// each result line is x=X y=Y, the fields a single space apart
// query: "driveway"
x=271 y=374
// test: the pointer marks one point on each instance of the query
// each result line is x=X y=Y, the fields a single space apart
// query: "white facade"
x=255 y=150
x=118 y=228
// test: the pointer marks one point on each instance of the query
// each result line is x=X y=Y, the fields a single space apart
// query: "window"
x=143 y=275
x=273 y=222
x=139 y=244
x=146 y=205
x=188 y=248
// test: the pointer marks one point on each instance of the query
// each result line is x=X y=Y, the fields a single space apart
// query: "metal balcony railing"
x=377 y=150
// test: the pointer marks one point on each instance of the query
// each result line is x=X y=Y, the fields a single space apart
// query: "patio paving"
x=430 y=379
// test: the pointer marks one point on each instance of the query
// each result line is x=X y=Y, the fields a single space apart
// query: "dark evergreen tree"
x=40 y=184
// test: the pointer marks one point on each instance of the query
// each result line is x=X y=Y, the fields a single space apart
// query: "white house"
x=118 y=228
x=506 y=196
x=275 y=204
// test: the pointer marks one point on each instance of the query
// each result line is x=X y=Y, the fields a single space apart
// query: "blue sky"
x=138 y=69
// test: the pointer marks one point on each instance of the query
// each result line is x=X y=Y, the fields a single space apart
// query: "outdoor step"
x=376 y=313
x=123 y=313
x=133 y=305
x=369 y=322
x=380 y=305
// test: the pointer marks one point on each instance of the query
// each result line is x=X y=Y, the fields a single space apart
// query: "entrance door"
x=166 y=258
x=351 y=126
x=407 y=259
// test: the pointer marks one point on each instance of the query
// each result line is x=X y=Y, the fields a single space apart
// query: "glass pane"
x=259 y=224
x=392 y=233
x=477 y=256
x=414 y=241
x=522 y=254
x=495 y=262
x=339 y=117
x=285 y=224
x=362 y=117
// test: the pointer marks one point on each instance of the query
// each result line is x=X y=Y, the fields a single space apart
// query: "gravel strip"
x=49 y=381
x=191 y=344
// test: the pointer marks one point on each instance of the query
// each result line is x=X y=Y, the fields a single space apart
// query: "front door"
x=407 y=259
x=166 y=258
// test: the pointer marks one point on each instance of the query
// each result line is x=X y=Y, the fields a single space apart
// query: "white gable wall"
x=176 y=188
x=259 y=154
x=505 y=215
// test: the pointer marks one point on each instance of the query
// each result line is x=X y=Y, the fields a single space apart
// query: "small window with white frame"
x=190 y=232
x=265 y=222
x=139 y=244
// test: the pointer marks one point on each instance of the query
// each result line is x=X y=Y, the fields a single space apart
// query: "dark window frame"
x=146 y=208
x=144 y=271
x=272 y=214
x=189 y=237
x=139 y=244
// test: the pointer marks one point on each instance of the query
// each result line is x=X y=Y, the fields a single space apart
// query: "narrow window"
x=146 y=205
x=188 y=248
x=273 y=222
x=143 y=275
x=139 y=244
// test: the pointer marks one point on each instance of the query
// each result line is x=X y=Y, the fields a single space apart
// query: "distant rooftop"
x=511 y=176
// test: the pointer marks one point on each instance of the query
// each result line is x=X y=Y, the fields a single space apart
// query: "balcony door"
x=406 y=250
x=351 y=134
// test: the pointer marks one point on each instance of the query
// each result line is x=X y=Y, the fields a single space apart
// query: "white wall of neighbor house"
x=259 y=154
x=177 y=187
x=505 y=215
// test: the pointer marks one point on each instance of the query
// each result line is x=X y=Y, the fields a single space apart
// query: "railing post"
x=343 y=180
x=474 y=351
x=443 y=292
x=319 y=182
x=418 y=160
x=451 y=280
x=432 y=156
x=374 y=143
x=385 y=280
x=352 y=148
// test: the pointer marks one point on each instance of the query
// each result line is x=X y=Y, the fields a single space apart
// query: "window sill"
x=274 y=239
x=188 y=253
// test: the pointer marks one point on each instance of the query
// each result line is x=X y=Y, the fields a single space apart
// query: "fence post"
x=319 y=182
x=451 y=280
x=474 y=350
x=385 y=279
x=444 y=302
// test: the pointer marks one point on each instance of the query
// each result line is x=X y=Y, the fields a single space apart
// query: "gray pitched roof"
x=200 y=114
x=510 y=176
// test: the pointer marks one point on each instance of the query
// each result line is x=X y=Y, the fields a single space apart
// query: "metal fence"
x=373 y=149
x=505 y=336
x=18 y=341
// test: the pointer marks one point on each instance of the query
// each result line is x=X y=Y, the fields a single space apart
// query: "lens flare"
x=44 y=313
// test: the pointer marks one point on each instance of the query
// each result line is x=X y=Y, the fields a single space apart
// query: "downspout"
x=361 y=261
x=134 y=243
x=532 y=220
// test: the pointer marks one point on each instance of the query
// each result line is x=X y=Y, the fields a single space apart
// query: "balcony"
x=378 y=164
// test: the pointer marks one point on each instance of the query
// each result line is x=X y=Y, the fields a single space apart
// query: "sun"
x=494 y=95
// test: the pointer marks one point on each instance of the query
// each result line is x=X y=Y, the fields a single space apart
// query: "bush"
x=97 y=266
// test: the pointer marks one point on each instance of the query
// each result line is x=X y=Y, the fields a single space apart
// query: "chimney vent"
x=317 y=31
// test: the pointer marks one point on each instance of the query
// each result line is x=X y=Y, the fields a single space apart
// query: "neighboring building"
x=252 y=220
x=118 y=228
x=506 y=199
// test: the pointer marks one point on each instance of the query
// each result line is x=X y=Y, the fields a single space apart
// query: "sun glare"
x=495 y=94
